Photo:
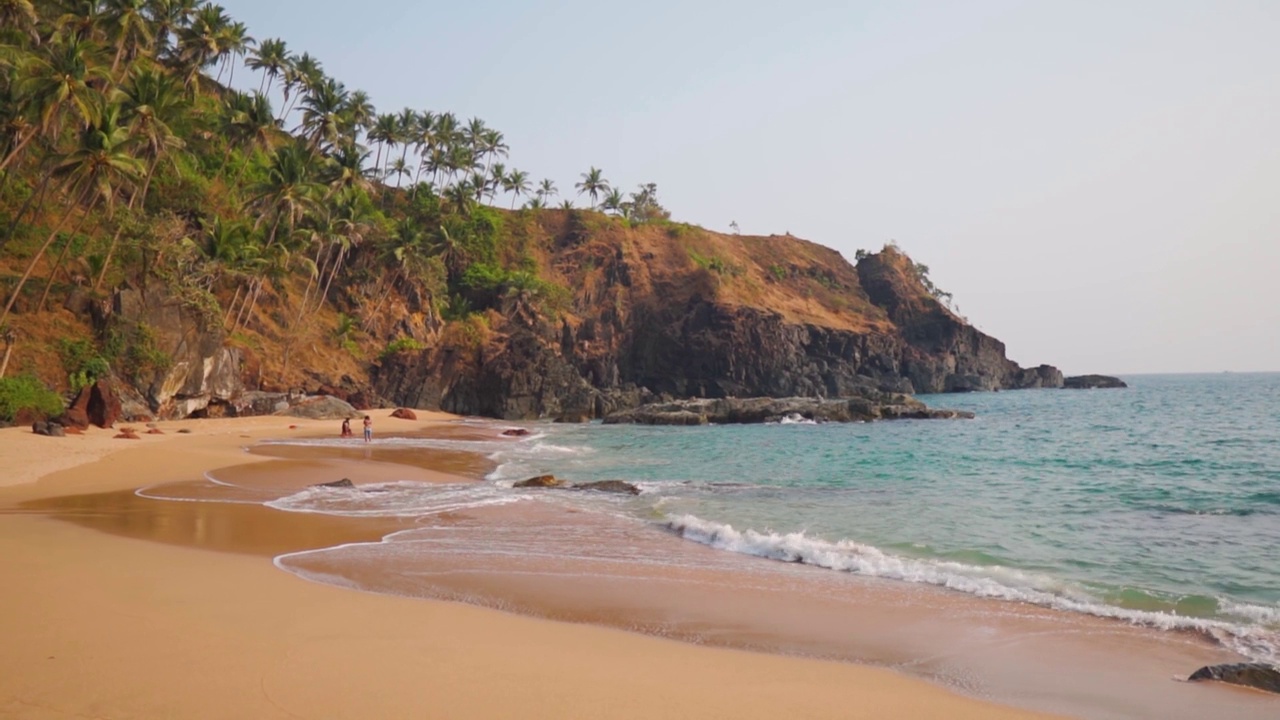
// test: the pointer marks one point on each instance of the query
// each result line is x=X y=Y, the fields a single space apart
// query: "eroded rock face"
x=729 y=411
x=1091 y=382
x=1255 y=675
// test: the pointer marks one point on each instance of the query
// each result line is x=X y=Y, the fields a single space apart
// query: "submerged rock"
x=515 y=432
x=1255 y=675
x=609 y=486
x=1090 y=382
x=541 y=481
x=343 y=483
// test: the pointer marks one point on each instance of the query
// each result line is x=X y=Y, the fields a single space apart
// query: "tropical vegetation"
x=130 y=158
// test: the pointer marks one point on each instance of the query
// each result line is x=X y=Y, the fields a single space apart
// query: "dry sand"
x=100 y=626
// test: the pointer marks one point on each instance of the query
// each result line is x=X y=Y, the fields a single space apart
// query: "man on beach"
x=368 y=428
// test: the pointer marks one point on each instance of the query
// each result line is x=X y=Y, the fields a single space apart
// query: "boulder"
x=343 y=483
x=1092 y=382
x=155 y=431
x=127 y=434
x=542 y=481
x=184 y=431
x=320 y=408
x=96 y=404
x=1260 y=676
x=40 y=427
x=404 y=414
x=609 y=486
x=515 y=432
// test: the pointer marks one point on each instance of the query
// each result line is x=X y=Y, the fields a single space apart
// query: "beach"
x=101 y=624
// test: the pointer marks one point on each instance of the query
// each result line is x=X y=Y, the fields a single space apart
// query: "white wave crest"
x=796 y=419
x=997 y=582
x=395 y=499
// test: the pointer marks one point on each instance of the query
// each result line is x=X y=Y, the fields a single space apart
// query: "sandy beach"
x=103 y=626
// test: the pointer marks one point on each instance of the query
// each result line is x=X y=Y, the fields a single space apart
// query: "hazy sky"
x=1097 y=183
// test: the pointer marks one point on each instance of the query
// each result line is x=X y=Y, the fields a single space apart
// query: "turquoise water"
x=1159 y=504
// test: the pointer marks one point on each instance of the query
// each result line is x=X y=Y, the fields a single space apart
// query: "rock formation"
x=869 y=405
x=1090 y=382
x=1255 y=675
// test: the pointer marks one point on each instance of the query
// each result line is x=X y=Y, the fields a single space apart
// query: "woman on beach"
x=368 y=428
x=346 y=427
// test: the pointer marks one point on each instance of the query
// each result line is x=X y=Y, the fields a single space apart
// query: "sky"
x=1096 y=183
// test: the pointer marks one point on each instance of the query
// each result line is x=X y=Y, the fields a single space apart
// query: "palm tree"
x=271 y=58
x=168 y=18
x=322 y=113
x=20 y=15
x=152 y=106
x=201 y=43
x=517 y=183
x=359 y=113
x=406 y=126
x=400 y=169
x=93 y=172
x=535 y=203
x=546 y=190
x=344 y=170
x=303 y=73
x=613 y=201
x=234 y=42
x=593 y=183
x=288 y=190
x=128 y=27
x=497 y=177
x=383 y=132
x=61 y=77
x=492 y=144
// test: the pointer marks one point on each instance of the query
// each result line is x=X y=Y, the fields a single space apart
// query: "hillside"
x=199 y=247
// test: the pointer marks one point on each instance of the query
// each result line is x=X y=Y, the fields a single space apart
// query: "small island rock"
x=1090 y=382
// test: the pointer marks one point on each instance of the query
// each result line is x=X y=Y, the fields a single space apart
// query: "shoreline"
x=204 y=634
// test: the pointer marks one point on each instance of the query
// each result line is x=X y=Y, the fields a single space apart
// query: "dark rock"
x=127 y=434
x=404 y=414
x=609 y=486
x=1255 y=675
x=1091 y=382
x=40 y=427
x=574 y=416
x=184 y=431
x=155 y=431
x=96 y=404
x=343 y=483
x=515 y=432
x=56 y=430
x=873 y=405
x=542 y=481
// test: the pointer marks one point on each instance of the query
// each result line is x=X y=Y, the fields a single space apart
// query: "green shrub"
x=401 y=344
x=779 y=273
x=82 y=362
x=24 y=392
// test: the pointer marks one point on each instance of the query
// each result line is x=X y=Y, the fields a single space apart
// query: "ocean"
x=1158 y=505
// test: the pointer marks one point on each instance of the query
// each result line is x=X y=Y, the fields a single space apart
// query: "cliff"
x=676 y=310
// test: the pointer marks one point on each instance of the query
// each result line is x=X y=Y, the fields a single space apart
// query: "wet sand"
x=150 y=608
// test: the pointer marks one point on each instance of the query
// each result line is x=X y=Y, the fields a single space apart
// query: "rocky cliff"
x=683 y=312
x=639 y=315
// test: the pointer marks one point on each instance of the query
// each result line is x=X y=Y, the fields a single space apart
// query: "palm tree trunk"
x=61 y=257
x=17 y=149
x=231 y=306
x=4 y=364
x=141 y=198
x=13 y=224
x=333 y=272
x=31 y=266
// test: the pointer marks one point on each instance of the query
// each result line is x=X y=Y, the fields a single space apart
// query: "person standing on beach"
x=368 y=428
x=346 y=427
